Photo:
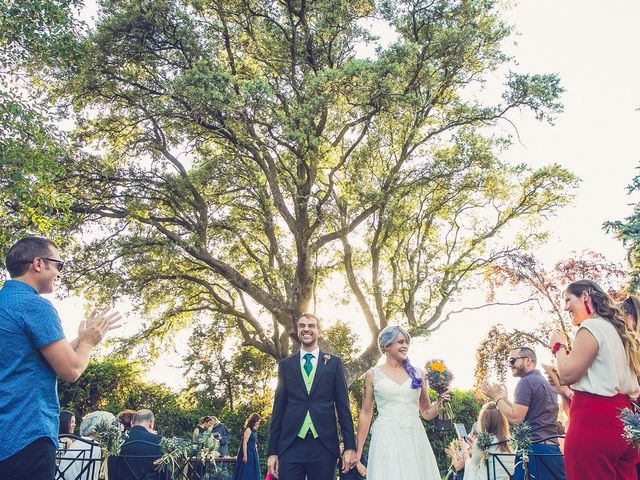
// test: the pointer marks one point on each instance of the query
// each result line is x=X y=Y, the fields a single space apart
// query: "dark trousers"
x=307 y=457
x=545 y=463
x=36 y=461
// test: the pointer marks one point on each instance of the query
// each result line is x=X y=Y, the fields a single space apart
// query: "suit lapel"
x=297 y=371
x=319 y=369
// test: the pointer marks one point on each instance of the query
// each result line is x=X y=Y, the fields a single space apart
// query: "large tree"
x=248 y=157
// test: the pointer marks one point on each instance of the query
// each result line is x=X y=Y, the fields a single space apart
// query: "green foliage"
x=32 y=160
x=36 y=39
x=218 y=379
x=36 y=33
x=114 y=384
x=628 y=230
x=342 y=340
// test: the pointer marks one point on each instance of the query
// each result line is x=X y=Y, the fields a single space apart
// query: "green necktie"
x=308 y=366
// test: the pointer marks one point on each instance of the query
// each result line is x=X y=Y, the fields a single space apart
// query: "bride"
x=399 y=446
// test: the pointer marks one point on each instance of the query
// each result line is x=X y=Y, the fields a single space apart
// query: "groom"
x=303 y=438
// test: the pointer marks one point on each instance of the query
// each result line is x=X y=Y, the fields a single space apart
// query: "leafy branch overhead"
x=246 y=155
x=545 y=287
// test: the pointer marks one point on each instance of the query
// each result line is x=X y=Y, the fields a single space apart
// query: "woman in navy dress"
x=247 y=465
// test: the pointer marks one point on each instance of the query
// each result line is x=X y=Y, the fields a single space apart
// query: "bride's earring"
x=586 y=306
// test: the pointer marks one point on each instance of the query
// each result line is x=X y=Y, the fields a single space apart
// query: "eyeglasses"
x=59 y=263
x=512 y=360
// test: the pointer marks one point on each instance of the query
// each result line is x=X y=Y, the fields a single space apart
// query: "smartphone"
x=461 y=430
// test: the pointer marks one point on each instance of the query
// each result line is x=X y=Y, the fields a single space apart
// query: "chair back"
x=81 y=461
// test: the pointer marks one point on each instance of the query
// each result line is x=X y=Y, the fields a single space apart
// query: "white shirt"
x=476 y=469
x=314 y=360
x=81 y=455
x=609 y=373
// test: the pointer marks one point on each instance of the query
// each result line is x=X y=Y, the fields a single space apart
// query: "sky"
x=592 y=46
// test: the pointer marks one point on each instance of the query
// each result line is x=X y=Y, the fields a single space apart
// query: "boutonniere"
x=326 y=358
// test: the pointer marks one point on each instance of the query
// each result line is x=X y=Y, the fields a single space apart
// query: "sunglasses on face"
x=512 y=360
x=59 y=263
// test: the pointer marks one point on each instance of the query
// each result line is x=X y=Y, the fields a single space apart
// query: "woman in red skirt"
x=603 y=370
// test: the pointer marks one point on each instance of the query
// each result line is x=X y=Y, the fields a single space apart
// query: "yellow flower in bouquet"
x=438 y=367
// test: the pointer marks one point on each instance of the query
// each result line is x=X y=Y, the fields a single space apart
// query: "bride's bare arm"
x=366 y=412
x=428 y=410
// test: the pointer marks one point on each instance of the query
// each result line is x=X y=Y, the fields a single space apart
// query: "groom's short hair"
x=310 y=316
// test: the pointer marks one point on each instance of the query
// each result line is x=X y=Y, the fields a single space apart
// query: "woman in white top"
x=602 y=369
x=500 y=462
x=83 y=459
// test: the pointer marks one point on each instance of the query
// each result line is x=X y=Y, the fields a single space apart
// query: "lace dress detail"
x=399 y=448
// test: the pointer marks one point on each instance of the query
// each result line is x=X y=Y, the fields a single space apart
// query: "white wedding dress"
x=399 y=448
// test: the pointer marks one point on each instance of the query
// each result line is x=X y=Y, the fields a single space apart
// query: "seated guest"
x=125 y=417
x=493 y=422
x=143 y=442
x=82 y=460
x=67 y=427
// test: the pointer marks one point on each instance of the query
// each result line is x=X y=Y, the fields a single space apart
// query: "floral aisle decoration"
x=520 y=442
x=483 y=442
x=439 y=378
x=207 y=445
x=110 y=436
x=631 y=424
x=176 y=453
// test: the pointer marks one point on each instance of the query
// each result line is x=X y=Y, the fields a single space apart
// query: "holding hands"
x=349 y=460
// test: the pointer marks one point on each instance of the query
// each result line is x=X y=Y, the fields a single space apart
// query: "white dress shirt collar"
x=315 y=353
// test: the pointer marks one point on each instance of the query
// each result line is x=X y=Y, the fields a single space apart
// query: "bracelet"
x=501 y=398
x=557 y=346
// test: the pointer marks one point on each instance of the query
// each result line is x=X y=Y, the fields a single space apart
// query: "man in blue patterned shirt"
x=33 y=353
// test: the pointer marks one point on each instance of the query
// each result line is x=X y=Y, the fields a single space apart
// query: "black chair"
x=135 y=467
x=82 y=461
x=498 y=463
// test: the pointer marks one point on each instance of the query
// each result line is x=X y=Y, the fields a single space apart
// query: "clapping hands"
x=493 y=390
x=98 y=323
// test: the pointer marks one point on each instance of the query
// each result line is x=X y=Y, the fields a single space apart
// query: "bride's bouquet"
x=439 y=378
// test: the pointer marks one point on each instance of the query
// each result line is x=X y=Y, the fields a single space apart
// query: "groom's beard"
x=309 y=342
